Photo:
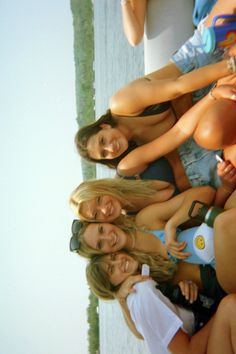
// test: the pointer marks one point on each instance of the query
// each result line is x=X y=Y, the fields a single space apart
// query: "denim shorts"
x=192 y=56
x=200 y=164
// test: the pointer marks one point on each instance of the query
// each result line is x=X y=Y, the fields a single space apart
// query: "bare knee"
x=208 y=134
x=228 y=306
x=226 y=221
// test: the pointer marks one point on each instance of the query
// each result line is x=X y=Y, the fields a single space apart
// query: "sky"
x=44 y=295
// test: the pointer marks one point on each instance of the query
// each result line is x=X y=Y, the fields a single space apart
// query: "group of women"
x=162 y=139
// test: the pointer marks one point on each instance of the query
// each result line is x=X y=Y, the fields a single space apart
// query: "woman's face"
x=104 y=208
x=108 y=143
x=119 y=266
x=107 y=238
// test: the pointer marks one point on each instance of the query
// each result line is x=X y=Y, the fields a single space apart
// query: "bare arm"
x=133 y=17
x=177 y=135
x=175 y=209
x=204 y=194
x=164 y=85
x=182 y=343
x=172 y=213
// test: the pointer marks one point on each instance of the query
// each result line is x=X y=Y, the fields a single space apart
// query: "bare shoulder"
x=148 y=218
x=124 y=102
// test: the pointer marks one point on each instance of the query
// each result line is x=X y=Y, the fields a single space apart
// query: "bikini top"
x=156 y=109
x=159 y=169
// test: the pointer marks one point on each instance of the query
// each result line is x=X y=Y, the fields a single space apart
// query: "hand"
x=231 y=50
x=128 y=285
x=224 y=91
x=227 y=80
x=227 y=173
x=189 y=290
x=174 y=247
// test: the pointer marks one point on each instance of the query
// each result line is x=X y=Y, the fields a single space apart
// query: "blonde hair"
x=118 y=188
x=86 y=251
x=161 y=269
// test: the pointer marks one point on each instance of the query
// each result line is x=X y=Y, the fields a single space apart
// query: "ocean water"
x=115 y=337
x=116 y=63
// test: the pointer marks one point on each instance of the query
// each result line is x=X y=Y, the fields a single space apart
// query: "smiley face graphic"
x=200 y=242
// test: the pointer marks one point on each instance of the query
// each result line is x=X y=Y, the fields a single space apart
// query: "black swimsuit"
x=159 y=169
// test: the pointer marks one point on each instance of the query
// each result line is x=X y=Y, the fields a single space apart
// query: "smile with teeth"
x=115 y=239
x=116 y=146
x=109 y=209
x=126 y=266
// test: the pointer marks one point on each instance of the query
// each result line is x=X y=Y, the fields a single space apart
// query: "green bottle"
x=205 y=213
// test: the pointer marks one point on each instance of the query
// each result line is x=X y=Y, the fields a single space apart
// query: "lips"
x=110 y=209
x=116 y=146
x=114 y=239
x=126 y=266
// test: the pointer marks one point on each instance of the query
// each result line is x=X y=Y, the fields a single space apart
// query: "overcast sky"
x=43 y=295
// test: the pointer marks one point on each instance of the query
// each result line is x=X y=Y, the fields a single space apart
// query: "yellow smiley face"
x=200 y=242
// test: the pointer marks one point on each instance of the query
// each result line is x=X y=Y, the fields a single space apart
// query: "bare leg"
x=231 y=201
x=225 y=249
x=217 y=126
x=222 y=338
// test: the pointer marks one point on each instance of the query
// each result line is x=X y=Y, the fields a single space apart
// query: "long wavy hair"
x=85 y=133
x=161 y=269
x=118 y=188
x=86 y=251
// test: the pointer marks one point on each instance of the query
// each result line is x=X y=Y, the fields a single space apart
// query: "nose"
x=104 y=209
x=110 y=146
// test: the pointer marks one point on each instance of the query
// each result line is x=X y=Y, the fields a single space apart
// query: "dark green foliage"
x=82 y=11
x=93 y=320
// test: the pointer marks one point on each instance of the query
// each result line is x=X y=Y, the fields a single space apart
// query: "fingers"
x=127 y=286
x=227 y=91
x=134 y=279
x=177 y=246
x=179 y=255
x=189 y=290
x=175 y=249
x=227 y=172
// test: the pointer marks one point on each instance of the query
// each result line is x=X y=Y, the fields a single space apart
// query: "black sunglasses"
x=74 y=241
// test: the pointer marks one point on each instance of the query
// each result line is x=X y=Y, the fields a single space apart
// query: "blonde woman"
x=158 y=223
x=146 y=234
x=107 y=199
x=165 y=327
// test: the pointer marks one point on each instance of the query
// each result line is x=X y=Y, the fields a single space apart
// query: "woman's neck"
x=131 y=128
x=130 y=241
x=147 y=242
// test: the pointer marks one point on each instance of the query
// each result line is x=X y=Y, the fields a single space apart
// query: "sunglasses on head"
x=74 y=241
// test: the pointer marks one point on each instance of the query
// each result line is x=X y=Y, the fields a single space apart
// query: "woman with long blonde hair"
x=164 y=326
x=106 y=199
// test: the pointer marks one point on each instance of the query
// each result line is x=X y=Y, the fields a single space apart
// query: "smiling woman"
x=107 y=199
x=107 y=237
x=119 y=266
x=109 y=143
x=102 y=208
